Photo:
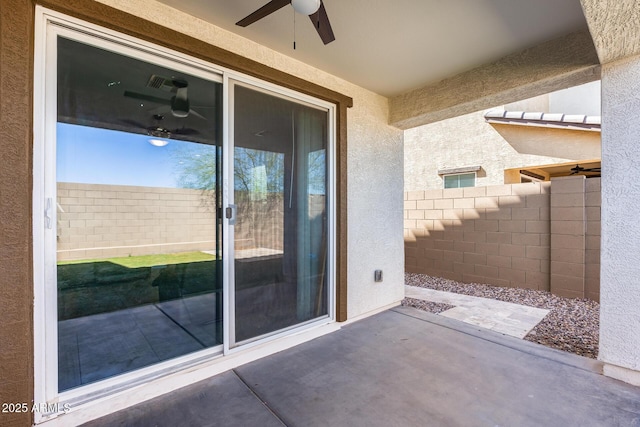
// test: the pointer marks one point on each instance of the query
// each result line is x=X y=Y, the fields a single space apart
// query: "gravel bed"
x=431 y=307
x=572 y=324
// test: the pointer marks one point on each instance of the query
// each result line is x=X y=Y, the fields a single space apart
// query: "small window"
x=460 y=180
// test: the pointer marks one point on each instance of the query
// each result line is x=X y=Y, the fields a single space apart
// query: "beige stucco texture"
x=620 y=281
x=552 y=143
x=553 y=65
x=616 y=35
x=469 y=140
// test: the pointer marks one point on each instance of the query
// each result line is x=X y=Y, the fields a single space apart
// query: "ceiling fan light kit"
x=306 y=7
x=158 y=142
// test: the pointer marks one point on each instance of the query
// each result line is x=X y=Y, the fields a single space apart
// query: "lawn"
x=149 y=260
x=92 y=286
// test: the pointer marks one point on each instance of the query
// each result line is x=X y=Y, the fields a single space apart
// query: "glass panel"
x=467 y=180
x=451 y=181
x=138 y=235
x=460 y=180
x=280 y=170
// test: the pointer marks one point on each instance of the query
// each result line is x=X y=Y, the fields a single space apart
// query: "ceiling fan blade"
x=265 y=10
x=320 y=20
x=195 y=113
x=149 y=98
x=186 y=131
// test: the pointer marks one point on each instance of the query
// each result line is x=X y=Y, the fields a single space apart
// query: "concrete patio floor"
x=402 y=367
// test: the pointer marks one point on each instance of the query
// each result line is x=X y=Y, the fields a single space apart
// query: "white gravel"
x=572 y=325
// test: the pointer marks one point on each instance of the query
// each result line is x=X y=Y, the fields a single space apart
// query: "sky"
x=100 y=156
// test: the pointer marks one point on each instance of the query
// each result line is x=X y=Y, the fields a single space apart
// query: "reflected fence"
x=106 y=221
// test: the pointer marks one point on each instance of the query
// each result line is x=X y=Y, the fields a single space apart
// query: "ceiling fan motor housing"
x=306 y=7
x=179 y=106
x=179 y=83
x=159 y=132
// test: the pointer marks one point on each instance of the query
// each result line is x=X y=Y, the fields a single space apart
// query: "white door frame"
x=231 y=81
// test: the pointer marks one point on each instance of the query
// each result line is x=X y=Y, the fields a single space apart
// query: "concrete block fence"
x=104 y=221
x=543 y=236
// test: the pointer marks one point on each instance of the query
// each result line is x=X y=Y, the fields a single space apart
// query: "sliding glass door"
x=138 y=235
x=280 y=175
x=180 y=212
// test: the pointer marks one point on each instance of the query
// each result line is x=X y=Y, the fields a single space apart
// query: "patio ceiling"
x=392 y=47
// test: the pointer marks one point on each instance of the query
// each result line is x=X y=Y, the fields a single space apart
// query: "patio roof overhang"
x=564 y=62
x=432 y=60
x=549 y=120
x=555 y=170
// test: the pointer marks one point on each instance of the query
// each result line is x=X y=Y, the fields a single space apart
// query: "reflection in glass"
x=280 y=174
x=138 y=235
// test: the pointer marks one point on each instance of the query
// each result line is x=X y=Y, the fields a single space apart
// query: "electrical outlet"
x=377 y=275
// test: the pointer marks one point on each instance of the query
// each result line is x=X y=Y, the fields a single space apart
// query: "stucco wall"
x=581 y=99
x=374 y=155
x=620 y=282
x=551 y=143
x=553 y=65
x=375 y=200
x=463 y=141
x=16 y=261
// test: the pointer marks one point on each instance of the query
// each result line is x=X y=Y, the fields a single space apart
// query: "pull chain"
x=294 y=29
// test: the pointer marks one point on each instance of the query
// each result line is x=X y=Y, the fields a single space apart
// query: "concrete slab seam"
x=257 y=396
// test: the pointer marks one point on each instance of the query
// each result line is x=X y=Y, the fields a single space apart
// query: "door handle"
x=230 y=214
x=47 y=214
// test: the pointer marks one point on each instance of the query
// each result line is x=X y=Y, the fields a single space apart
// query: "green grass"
x=149 y=260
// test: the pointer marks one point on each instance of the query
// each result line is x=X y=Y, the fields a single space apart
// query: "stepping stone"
x=504 y=317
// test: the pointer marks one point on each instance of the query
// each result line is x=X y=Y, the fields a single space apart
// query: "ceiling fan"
x=313 y=8
x=158 y=130
x=579 y=169
x=178 y=105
